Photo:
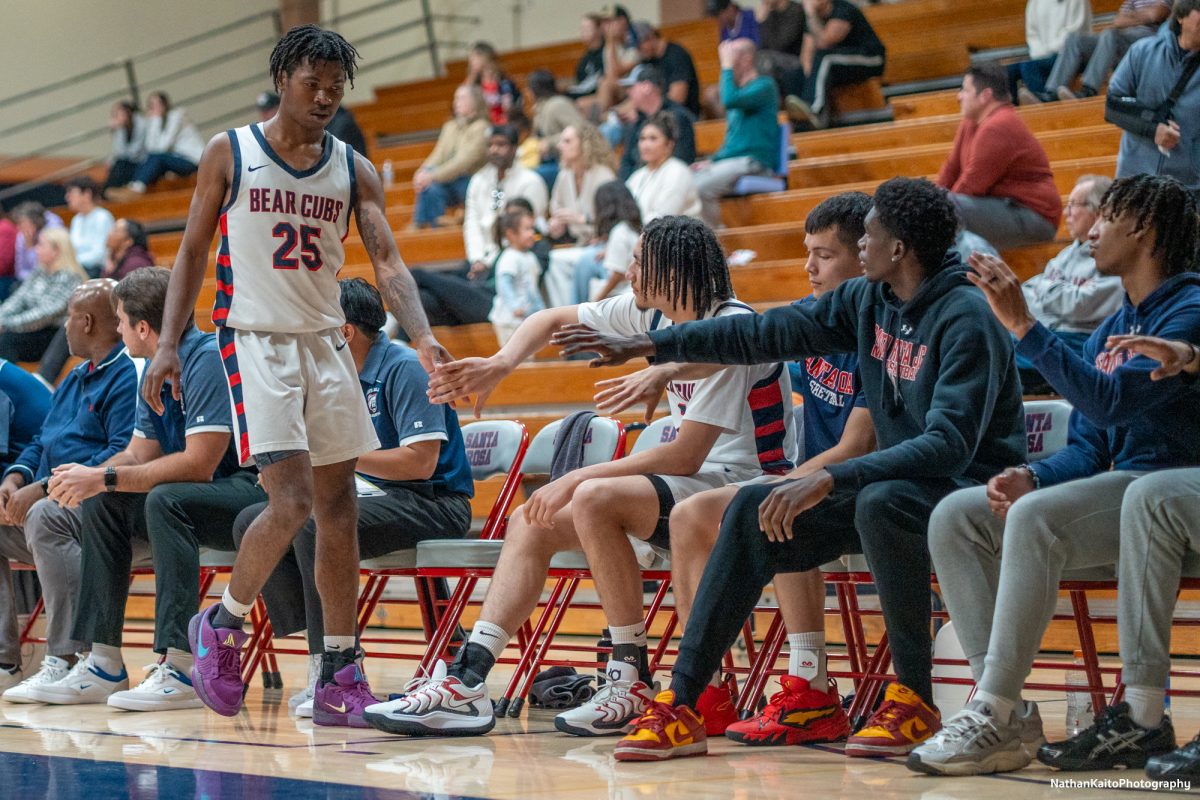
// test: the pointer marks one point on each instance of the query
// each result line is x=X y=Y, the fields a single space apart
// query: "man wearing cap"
x=751 y=145
x=647 y=96
x=675 y=63
x=267 y=104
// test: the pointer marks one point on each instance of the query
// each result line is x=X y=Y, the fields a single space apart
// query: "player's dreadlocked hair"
x=312 y=44
x=919 y=214
x=1162 y=202
x=682 y=260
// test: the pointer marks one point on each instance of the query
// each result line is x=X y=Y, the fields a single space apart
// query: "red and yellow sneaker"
x=797 y=714
x=664 y=731
x=901 y=723
x=715 y=707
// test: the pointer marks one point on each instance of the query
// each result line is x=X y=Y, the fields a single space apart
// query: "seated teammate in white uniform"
x=733 y=426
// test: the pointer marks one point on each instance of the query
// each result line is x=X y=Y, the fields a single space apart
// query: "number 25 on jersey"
x=307 y=237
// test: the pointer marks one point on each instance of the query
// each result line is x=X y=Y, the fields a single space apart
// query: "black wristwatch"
x=110 y=479
x=45 y=482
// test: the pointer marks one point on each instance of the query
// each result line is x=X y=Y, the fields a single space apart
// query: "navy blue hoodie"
x=1122 y=419
x=937 y=371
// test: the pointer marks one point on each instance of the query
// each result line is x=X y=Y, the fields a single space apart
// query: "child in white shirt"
x=517 y=273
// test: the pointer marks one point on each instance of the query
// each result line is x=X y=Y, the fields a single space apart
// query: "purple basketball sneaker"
x=217 y=673
x=341 y=701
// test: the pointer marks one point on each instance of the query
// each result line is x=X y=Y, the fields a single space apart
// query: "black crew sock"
x=472 y=664
x=223 y=619
x=687 y=691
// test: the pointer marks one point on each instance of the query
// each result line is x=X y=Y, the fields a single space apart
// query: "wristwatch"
x=45 y=482
x=110 y=479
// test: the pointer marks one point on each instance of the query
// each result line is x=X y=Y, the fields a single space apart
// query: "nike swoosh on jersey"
x=260 y=166
x=339 y=347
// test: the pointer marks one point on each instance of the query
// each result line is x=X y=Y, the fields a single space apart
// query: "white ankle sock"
x=234 y=607
x=490 y=637
x=338 y=644
x=806 y=658
x=180 y=660
x=1002 y=707
x=1146 y=705
x=107 y=658
x=628 y=634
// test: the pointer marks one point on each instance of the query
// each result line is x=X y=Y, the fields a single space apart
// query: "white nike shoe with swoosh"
x=611 y=712
x=164 y=688
x=442 y=706
x=85 y=683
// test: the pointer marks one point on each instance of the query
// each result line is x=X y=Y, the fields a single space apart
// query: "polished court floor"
x=91 y=751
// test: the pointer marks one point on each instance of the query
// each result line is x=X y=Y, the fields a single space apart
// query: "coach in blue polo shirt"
x=176 y=487
x=90 y=420
x=420 y=469
x=24 y=403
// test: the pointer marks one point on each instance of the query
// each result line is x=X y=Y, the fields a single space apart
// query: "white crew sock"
x=1146 y=705
x=234 y=607
x=1002 y=707
x=806 y=658
x=628 y=634
x=490 y=637
x=338 y=644
x=108 y=658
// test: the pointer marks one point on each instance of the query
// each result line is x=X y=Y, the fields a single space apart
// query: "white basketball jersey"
x=281 y=238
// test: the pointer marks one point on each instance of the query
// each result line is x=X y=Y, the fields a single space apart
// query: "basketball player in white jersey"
x=282 y=192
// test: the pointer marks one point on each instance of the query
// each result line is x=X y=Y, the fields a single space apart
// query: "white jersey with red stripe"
x=282 y=234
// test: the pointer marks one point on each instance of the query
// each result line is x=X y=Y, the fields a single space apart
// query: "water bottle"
x=605 y=645
x=1079 y=698
x=388 y=174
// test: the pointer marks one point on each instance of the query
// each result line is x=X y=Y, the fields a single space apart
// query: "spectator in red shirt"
x=998 y=174
x=8 y=256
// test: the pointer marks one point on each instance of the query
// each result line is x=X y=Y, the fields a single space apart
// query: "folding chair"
x=468 y=561
x=494 y=447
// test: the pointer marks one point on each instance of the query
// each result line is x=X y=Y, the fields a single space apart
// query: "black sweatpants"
x=886 y=521
x=831 y=68
x=451 y=298
x=177 y=519
x=26 y=346
x=395 y=521
x=55 y=357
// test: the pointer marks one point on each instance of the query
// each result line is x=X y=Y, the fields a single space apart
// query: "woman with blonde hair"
x=32 y=314
x=585 y=162
x=460 y=151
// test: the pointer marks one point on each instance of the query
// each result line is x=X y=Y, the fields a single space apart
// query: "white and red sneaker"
x=611 y=712
x=442 y=706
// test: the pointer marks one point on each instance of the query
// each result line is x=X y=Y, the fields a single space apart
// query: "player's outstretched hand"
x=609 y=349
x=790 y=499
x=462 y=379
x=431 y=353
x=162 y=368
x=644 y=387
x=1172 y=357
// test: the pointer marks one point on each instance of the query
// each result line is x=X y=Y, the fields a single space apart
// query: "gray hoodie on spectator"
x=1148 y=72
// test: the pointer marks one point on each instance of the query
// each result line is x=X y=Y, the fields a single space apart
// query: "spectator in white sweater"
x=1069 y=296
x=499 y=180
x=89 y=226
x=1047 y=24
x=664 y=185
x=128 y=143
x=173 y=143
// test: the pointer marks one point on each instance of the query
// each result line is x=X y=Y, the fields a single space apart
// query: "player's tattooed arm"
x=392 y=277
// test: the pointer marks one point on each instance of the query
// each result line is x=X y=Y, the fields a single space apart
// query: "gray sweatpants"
x=1002 y=605
x=1003 y=222
x=1095 y=54
x=1160 y=540
x=50 y=541
x=717 y=179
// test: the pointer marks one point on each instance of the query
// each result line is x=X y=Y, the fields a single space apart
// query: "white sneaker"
x=305 y=695
x=53 y=669
x=610 y=712
x=85 y=683
x=305 y=709
x=441 y=706
x=972 y=742
x=10 y=677
x=164 y=688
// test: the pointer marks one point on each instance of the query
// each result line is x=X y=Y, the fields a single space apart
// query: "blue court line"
x=44 y=777
x=268 y=745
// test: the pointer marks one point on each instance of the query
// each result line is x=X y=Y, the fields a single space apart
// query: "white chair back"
x=1046 y=427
